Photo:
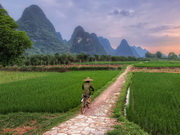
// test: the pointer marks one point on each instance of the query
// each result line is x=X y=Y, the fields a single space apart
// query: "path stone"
x=96 y=120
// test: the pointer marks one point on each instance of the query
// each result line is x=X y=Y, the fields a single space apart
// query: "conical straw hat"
x=88 y=79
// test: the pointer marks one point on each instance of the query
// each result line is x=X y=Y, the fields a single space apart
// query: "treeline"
x=58 y=59
x=159 y=55
x=69 y=58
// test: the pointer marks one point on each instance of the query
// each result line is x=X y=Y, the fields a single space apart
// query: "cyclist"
x=87 y=88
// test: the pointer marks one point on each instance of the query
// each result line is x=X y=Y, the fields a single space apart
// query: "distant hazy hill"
x=140 y=51
x=59 y=36
x=124 y=49
x=41 y=31
x=107 y=46
x=135 y=53
x=1 y=6
x=83 y=42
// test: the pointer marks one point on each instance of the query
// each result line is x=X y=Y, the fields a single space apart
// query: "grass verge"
x=125 y=127
x=32 y=123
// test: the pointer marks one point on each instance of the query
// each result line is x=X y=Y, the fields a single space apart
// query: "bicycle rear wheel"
x=83 y=109
x=84 y=106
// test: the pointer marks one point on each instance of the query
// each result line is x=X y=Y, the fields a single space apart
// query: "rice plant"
x=49 y=92
x=160 y=64
x=155 y=102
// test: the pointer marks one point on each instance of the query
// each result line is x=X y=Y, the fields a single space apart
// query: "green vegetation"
x=68 y=58
x=37 y=122
x=159 y=55
x=7 y=77
x=109 y=62
x=13 y=43
x=125 y=127
x=42 y=121
x=60 y=68
x=53 y=92
x=155 y=102
x=158 y=64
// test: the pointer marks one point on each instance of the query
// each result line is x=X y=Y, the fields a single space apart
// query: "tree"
x=158 y=54
x=105 y=58
x=82 y=57
x=172 y=55
x=70 y=58
x=34 y=60
x=13 y=43
x=46 y=59
x=97 y=57
x=149 y=55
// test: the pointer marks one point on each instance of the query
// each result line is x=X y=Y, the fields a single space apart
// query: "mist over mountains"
x=47 y=41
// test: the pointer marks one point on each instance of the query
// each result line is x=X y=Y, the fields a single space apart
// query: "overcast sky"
x=151 y=24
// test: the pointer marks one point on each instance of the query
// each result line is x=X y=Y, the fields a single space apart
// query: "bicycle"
x=85 y=105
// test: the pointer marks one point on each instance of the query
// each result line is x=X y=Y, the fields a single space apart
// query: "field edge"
x=124 y=127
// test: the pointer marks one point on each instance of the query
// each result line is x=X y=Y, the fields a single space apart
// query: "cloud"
x=177 y=27
x=139 y=25
x=122 y=12
x=161 y=28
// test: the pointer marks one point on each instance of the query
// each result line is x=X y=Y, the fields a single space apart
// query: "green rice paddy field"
x=155 y=102
x=109 y=63
x=160 y=64
x=46 y=92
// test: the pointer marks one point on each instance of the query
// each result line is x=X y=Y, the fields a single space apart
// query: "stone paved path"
x=96 y=121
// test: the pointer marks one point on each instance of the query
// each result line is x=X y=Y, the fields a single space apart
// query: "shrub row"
x=56 y=69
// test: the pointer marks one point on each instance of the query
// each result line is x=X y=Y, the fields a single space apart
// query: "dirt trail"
x=96 y=121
